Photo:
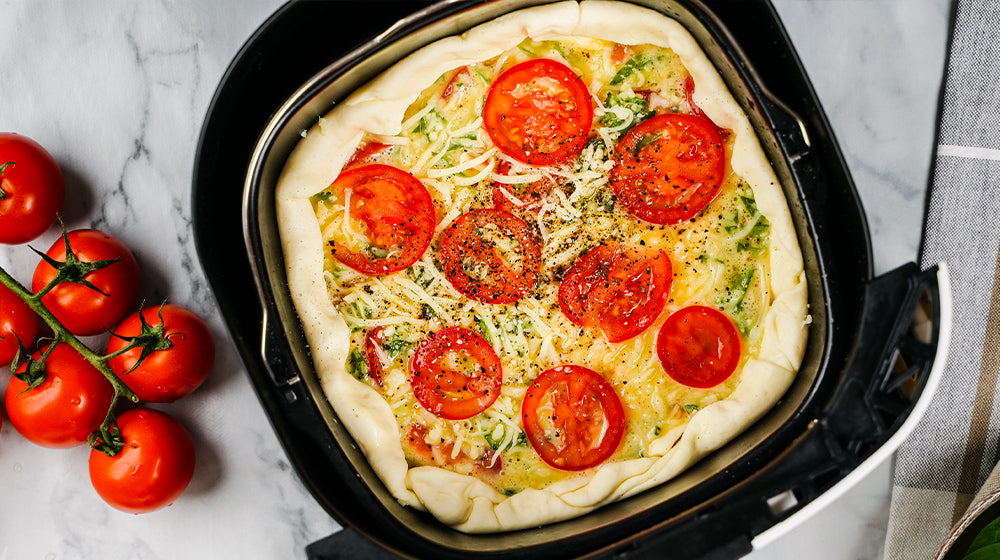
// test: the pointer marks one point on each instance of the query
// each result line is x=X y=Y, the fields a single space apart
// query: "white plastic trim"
x=889 y=447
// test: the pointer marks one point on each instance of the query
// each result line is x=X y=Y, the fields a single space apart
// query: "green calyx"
x=73 y=270
x=3 y=167
x=150 y=339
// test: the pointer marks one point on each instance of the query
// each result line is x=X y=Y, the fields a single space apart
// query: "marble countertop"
x=117 y=92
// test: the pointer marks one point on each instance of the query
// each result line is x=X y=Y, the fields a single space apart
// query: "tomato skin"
x=539 y=112
x=153 y=468
x=64 y=409
x=573 y=417
x=446 y=391
x=82 y=310
x=375 y=337
x=33 y=189
x=619 y=289
x=668 y=168
x=461 y=243
x=17 y=322
x=699 y=346
x=397 y=210
x=169 y=374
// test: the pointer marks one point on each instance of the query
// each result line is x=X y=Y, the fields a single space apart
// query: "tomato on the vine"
x=82 y=309
x=17 y=323
x=31 y=189
x=66 y=407
x=153 y=467
x=182 y=356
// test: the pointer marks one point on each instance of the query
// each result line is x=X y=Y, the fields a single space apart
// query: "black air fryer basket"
x=875 y=345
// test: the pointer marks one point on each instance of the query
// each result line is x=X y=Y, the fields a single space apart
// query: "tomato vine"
x=73 y=270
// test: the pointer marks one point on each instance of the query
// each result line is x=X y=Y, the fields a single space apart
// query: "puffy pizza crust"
x=465 y=502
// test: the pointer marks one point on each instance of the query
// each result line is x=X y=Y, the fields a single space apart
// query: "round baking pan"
x=864 y=370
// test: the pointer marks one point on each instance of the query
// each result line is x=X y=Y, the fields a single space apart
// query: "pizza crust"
x=465 y=502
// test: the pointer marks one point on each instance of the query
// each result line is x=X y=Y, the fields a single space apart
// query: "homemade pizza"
x=543 y=265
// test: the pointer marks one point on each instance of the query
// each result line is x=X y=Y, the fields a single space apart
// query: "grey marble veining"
x=117 y=92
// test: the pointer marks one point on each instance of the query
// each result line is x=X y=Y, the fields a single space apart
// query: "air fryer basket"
x=862 y=374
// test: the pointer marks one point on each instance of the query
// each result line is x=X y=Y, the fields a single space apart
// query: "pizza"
x=543 y=265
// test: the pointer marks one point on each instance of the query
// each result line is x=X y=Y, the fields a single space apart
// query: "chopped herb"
x=396 y=346
x=429 y=122
x=637 y=62
x=374 y=251
x=740 y=287
x=509 y=491
x=356 y=365
x=483 y=76
x=527 y=51
x=481 y=324
x=636 y=105
x=326 y=197
x=755 y=241
x=427 y=312
x=691 y=408
x=646 y=140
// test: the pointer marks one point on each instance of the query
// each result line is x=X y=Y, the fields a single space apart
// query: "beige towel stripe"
x=983 y=405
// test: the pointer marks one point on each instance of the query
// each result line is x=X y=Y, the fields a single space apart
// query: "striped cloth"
x=949 y=457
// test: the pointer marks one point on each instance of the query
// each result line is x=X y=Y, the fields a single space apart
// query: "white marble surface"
x=117 y=92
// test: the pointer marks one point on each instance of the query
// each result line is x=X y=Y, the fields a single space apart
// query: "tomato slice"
x=539 y=112
x=455 y=373
x=668 y=168
x=491 y=256
x=373 y=342
x=573 y=417
x=619 y=289
x=698 y=346
x=397 y=213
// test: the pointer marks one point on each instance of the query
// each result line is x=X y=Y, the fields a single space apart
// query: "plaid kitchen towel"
x=949 y=457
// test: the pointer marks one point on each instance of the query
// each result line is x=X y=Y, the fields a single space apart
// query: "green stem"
x=3 y=194
x=63 y=335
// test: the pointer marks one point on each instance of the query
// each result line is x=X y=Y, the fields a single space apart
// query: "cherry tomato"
x=168 y=374
x=539 y=112
x=153 y=467
x=668 y=168
x=491 y=256
x=573 y=417
x=83 y=310
x=698 y=346
x=17 y=322
x=618 y=289
x=397 y=213
x=66 y=407
x=31 y=189
x=455 y=373
x=373 y=342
